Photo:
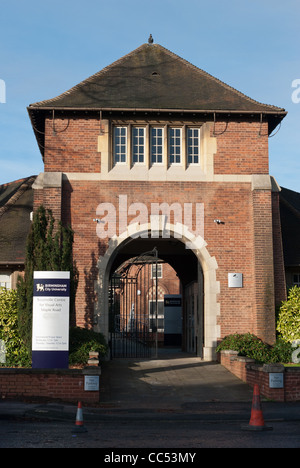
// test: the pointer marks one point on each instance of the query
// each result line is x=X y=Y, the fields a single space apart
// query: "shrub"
x=82 y=341
x=253 y=347
x=247 y=345
x=47 y=249
x=16 y=352
x=282 y=351
x=288 y=323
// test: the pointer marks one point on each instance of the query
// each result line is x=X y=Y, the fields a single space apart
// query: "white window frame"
x=174 y=148
x=119 y=143
x=139 y=145
x=159 y=267
x=296 y=283
x=5 y=280
x=192 y=146
x=156 y=154
x=156 y=145
x=152 y=316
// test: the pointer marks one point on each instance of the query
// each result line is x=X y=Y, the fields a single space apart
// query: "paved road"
x=176 y=402
x=174 y=381
x=160 y=435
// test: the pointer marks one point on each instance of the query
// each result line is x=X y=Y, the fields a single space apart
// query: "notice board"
x=50 y=323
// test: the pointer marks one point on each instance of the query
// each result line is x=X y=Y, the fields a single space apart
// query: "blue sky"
x=46 y=47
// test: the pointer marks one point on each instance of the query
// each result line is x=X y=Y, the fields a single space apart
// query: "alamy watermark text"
x=113 y=220
x=2 y=92
x=296 y=92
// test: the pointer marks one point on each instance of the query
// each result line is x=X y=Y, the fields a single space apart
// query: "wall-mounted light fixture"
x=218 y=221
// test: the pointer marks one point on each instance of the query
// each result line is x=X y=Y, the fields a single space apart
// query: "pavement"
x=174 y=386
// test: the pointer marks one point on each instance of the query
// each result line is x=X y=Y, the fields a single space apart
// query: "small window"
x=296 y=280
x=5 y=281
x=175 y=145
x=159 y=271
x=157 y=145
x=193 y=145
x=160 y=316
x=138 y=145
x=120 y=145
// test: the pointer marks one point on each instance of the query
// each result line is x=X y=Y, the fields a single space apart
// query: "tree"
x=288 y=323
x=48 y=248
x=12 y=349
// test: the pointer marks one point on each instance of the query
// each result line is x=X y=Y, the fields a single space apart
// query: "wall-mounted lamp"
x=218 y=221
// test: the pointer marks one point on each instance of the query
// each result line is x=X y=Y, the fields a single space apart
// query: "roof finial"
x=150 y=40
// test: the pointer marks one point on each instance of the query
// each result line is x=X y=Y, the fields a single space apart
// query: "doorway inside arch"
x=155 y=299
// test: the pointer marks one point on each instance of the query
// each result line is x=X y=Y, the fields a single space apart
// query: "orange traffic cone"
x=79 y=427
x=256 y=422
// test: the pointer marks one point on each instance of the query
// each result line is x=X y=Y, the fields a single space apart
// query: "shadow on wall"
x=90 y=276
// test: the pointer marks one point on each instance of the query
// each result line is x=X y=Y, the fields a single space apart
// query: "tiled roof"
x=153 y=78
x=16 y=204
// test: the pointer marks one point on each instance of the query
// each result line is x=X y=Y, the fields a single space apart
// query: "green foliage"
x=251 y=346
x=16 y=352
x=288 y=323
x=47 y=249
x=82 y=341
x=282 y=351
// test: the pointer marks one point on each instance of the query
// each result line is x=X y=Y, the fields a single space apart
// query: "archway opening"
x=155 y=302
x=195 y=267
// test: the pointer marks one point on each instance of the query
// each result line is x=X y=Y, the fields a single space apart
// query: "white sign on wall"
x=276 y=380
x=50 y=325
x=235 y=280
x=91 y=383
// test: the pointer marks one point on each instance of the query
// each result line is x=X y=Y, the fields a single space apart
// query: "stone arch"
x=208 y=264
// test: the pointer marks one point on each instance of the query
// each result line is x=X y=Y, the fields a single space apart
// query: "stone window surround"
x=146 y=171
x=167 y=154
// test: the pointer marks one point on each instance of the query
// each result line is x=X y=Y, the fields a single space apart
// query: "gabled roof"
x=16 y=204
x=153 y=78
x=290 y=226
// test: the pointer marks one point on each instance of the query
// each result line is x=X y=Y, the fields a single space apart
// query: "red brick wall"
x=51 y=199
x=251 y=373
x=243 y=244
x=67 y=385
x=241 y=149
x=292 y=384
x=72 y=147
x=263 y=263
x=232 y=243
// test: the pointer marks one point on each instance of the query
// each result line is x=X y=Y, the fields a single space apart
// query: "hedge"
x=253 y=347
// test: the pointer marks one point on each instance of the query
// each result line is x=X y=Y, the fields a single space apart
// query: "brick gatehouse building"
x=149 y=129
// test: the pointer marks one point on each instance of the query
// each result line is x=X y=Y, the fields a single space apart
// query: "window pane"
x=5 y=281
x=297 y=280
x=160 y=324
x=159 y=270
x=174 y=145
x=138 y=150
x=156 y=145
x=120 y=144
x=160 y=308
x=193 y=145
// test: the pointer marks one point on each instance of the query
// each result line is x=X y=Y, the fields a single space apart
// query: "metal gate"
x=132 y=323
